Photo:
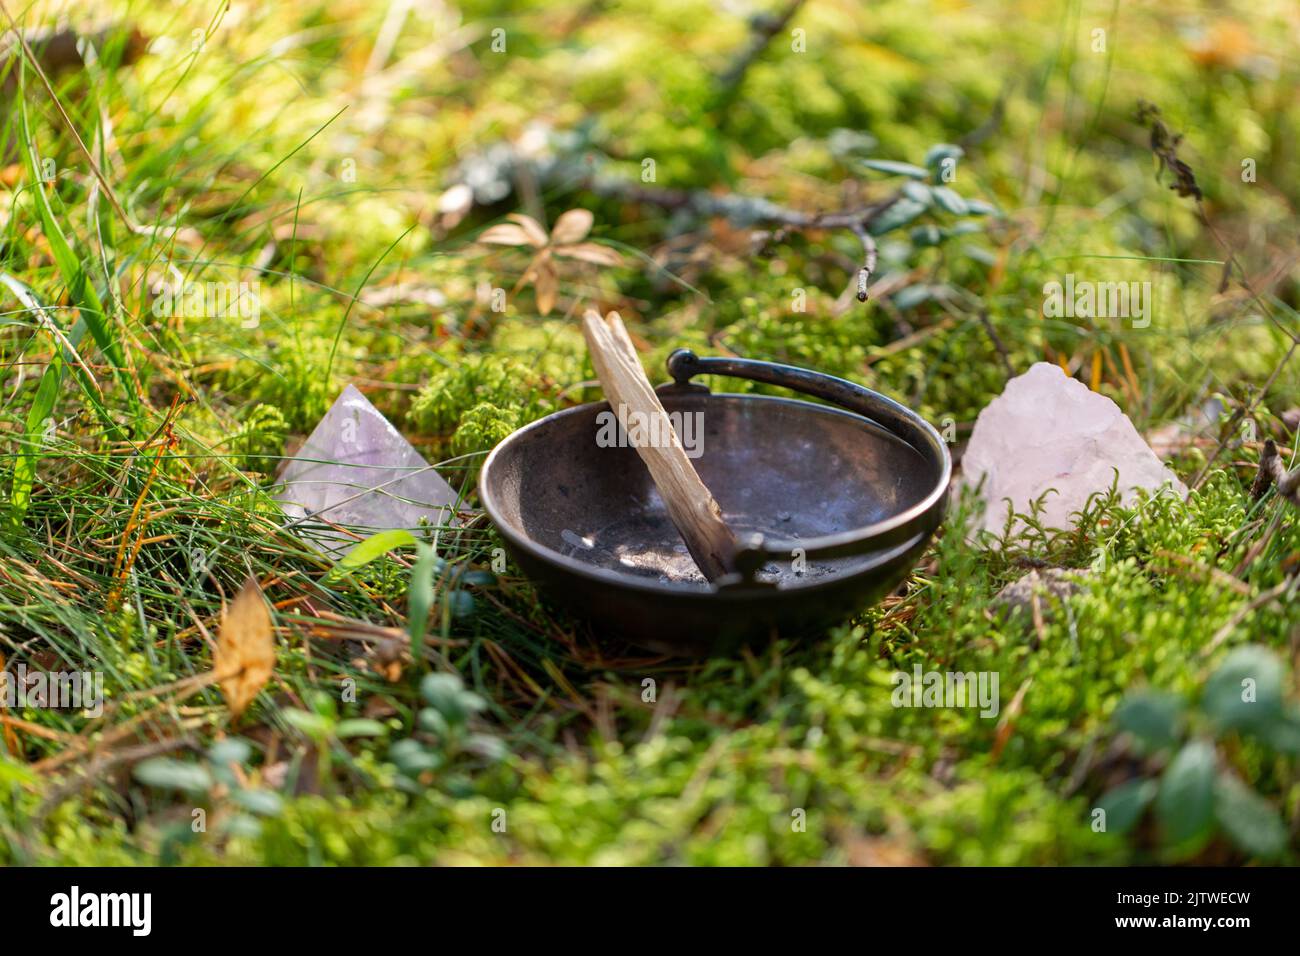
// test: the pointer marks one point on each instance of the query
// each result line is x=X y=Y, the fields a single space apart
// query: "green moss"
x=482 y=427
x=478 y=383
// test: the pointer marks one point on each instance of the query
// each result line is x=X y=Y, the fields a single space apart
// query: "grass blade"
x=80 y=288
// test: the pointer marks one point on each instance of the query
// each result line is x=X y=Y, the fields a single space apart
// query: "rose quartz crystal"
x=1047 y=430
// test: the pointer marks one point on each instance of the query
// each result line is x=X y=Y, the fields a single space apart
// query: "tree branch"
x=763 y=28
x=750 y=211
x=1273 y=472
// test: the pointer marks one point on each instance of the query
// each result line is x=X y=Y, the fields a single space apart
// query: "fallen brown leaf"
x=245 y=655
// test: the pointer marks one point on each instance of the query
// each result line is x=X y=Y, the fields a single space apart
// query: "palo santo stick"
x=690 y=505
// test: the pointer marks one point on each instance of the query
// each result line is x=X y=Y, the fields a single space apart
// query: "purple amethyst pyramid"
x=356 y=471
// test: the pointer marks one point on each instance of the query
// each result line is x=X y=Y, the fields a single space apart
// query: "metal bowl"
x=832 y=505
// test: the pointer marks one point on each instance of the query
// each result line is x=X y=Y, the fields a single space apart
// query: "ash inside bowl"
x=646 y=546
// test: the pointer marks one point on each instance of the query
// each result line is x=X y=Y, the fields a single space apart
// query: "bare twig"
x=1198 y=570
x=101 y=765
x=997 y=343
x=1273 y=472
x=1240 y=414
x=749 y=211
x=869 y=264
x=762 y=29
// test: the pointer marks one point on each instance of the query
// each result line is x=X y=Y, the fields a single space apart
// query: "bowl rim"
x=934 y=500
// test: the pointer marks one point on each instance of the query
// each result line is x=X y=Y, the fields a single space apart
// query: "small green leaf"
x=900 y=213
x=1125 y=804
x=225 y=756
x=460 y=604
x=231 y=750
x=486 y=746
x=171 y=774
x=313 y=725
x=1283 y=733
x=265 y=803
x=949 y=201
x=913 y=295
x=918 y=192
x=359 y=727
x=845 y=142
x=1185 y=802
x=444 y=692
x=420 y=598
x=923 y=236
x=1250 y=821
x=323 y=704
x=1246 y=691
x=1152 y=718
x=375 y=546
x=242 y=825
x=894 y=168
x=937 y=153
x=412 y=758
x=978 y=207
x=431 y=721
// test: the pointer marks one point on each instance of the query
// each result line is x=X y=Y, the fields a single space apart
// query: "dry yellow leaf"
x=245 y=653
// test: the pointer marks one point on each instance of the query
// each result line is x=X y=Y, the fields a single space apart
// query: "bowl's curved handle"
x=920 y=519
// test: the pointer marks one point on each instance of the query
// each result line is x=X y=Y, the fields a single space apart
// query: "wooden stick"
x=690 y=505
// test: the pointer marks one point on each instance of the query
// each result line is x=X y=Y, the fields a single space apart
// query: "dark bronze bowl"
x=833 y=507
